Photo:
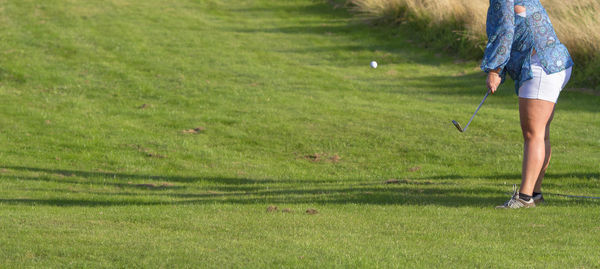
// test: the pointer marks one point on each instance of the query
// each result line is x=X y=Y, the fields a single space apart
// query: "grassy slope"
x=272 y=82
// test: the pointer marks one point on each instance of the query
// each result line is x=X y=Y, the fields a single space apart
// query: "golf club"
x=458 y=124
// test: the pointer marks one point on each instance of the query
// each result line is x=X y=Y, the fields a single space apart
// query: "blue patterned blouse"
x=512 y=38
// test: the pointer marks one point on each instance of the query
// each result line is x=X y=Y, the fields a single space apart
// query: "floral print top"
x=513 y=37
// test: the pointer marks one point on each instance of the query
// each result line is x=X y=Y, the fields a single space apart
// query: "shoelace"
x=513 y=200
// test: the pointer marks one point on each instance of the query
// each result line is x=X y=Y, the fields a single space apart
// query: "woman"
x=522 y=42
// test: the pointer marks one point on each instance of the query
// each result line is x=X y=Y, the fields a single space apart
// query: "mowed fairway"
x=100 y=165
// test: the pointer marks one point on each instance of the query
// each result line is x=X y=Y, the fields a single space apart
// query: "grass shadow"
x=9 y=76
x=437 y=191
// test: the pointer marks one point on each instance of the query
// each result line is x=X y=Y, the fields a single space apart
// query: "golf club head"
x=460 y=129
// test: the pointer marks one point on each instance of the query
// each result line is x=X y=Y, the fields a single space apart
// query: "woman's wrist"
x=496 y=71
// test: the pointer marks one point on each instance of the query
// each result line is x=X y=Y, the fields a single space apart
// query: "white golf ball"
x=374 y=64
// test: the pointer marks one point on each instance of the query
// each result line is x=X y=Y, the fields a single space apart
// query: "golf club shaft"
x=482 y=101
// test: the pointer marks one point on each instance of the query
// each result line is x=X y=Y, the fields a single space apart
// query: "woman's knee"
x=533 y=134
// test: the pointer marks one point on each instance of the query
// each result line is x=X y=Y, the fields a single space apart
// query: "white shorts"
x=543 y=86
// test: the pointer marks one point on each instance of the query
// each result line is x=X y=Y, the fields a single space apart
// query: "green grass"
x=90 y=179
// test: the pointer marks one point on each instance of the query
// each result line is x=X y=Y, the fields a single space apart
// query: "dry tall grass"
x=577 y=22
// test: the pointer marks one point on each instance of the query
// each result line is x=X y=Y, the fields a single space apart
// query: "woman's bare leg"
x=538 y=183
x=536 y=116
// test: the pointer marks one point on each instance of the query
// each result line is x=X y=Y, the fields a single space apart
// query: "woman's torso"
x=534 y=33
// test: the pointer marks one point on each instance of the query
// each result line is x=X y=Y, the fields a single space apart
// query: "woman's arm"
x=500 y=31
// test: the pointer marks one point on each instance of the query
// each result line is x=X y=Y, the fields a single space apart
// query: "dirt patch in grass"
x=407 y=181
x=148 y=152
x=287 y=210
x=312 y=211
x=196 y=130
x=64 y=174
x=155 y=155
x=414 y=169
x=322 y=157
